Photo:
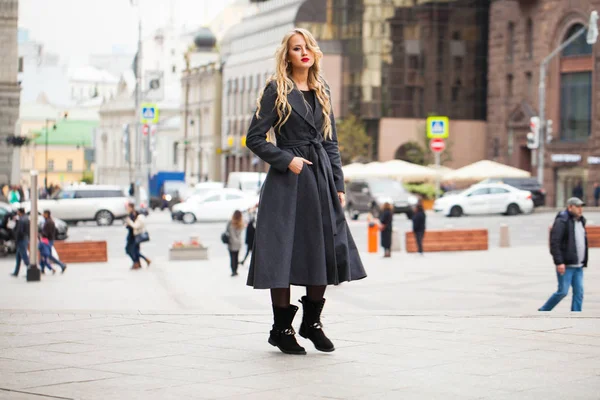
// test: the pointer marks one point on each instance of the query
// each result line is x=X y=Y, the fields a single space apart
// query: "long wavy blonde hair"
x=285 y=84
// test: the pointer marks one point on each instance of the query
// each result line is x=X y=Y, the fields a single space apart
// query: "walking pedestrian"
x=419 y=221
x=250 y=230
x=569 y=249
x=45 y=253
x=234 y=229
x=136 y=226
x=302 y=237
x=387 y=219
x=22 y=240
x=596 y=194
x=50 y=232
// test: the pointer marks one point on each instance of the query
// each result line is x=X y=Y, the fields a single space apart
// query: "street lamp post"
x=592 y=37
x=46 y=151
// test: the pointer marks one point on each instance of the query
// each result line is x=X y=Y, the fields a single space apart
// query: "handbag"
x=225 y=235
x=142 y=237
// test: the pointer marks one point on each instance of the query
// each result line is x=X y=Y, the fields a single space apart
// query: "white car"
x=494 y=198
x=217 y=205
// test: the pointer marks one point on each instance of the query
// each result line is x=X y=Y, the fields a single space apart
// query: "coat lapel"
x=296 y=100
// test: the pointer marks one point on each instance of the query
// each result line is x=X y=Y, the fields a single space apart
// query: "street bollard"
x=504 y=237
x=372 y=233
x=33 y=272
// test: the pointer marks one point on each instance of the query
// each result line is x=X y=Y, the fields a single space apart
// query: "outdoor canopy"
x=394 y=169
x=485 y=169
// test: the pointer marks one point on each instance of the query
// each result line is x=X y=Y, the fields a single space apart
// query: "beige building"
x=58 y=154
x=201 y=141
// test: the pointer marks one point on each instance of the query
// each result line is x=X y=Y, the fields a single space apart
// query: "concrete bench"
x=449 y=240
x=82 y=252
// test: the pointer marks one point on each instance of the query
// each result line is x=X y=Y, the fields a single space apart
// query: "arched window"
x=576 y=66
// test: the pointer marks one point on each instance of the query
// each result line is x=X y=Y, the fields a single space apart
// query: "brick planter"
x=81 y=252
x=450 y=240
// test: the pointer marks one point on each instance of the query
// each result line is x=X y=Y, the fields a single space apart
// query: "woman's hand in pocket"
x=297 y=164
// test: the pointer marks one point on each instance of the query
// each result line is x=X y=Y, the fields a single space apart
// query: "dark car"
x=369 y=195
x=61 y=226
x=538 y=193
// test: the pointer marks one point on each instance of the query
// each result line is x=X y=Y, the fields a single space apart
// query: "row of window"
x=69 y=165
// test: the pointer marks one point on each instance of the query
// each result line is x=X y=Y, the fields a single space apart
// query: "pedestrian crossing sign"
x=149 y=114
x=438 y=127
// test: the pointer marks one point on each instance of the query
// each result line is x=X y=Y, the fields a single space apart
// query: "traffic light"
x=533 y=137
x=549 y=131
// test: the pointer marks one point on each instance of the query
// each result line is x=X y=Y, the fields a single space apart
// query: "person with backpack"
x=569 y=249
x=233 y=231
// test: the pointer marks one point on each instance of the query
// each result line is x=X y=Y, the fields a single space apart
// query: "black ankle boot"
x=311 y=327
x=283 y=335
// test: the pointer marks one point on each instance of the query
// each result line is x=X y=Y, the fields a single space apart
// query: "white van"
x=248 y=182
x=100 y=203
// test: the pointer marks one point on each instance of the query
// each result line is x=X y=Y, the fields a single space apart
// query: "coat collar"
x=296 y=100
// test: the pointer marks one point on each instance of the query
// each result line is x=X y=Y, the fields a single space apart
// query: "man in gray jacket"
x=569 y=249
x=22 y=239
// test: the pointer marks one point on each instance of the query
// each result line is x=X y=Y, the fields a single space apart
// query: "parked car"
x=100 y=203
x=493 y=198
x=369 y=195
x=61 y=226
x=171 y=193
x=201 y=188
x=248 y=182
x=538 y=193
x=217 y=205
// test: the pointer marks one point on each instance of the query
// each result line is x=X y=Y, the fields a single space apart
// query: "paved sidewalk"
x=447 y=326
x=181 y=356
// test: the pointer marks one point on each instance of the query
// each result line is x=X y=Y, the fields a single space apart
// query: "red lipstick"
x=305 y=59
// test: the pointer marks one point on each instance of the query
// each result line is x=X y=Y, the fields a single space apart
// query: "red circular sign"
x=437 y=145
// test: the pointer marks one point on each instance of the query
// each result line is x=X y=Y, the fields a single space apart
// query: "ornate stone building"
x=9 y=87
x=522 y=34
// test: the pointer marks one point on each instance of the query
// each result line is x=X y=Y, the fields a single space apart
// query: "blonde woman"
x=301 y=234
x=234 y=230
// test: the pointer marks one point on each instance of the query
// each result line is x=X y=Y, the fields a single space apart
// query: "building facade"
x=392 y=64
x=522 y=34
x=202 y=135
x=9 y=87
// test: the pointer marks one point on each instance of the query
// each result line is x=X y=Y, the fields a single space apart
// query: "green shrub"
x=424 y=190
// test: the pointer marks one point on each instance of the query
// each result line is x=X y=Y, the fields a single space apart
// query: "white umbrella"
x=351 y=169
x=486 y=169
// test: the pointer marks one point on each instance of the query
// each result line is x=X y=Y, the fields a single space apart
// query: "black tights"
x=280 y=297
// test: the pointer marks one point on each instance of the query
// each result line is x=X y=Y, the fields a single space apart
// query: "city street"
x=445 y=325
x=525 y=230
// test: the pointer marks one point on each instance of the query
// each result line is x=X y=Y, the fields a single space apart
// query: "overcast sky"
x=77 y=28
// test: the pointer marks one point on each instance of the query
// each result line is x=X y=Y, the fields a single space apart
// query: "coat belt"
x=315 y=148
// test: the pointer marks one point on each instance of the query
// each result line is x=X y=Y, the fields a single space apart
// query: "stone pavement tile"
x=416 y=394
x=67 y=360
x=31 y=380
x=200 y=391
x=280 y=394
x=583 y=389
x=12 y=365
x=529 y=378
x=124 y=387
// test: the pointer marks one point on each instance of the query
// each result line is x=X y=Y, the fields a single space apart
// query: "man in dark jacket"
x=49 y=232
x=22 y=239
x=569 y=249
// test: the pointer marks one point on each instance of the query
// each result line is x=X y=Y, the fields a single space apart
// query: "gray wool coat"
x=302 y=237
